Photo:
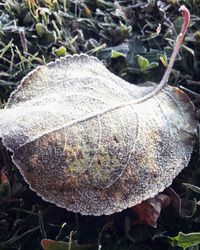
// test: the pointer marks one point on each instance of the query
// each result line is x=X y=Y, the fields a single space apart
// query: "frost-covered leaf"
x=116 y=54
x=163 y=60
x=143 y=62
x=61 y=51
x=135 y=47
x=185 y=240
x=153 y=65
x=107 y=53
x=46 y=37
x=41 y=29
x=83 y=140
x=192 y=187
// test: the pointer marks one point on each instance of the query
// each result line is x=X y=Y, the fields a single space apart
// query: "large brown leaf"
x=83 y=142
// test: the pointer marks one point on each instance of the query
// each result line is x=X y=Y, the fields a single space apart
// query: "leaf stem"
x=186 y=14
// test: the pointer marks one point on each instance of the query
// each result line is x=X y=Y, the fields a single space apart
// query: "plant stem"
x=186 y=14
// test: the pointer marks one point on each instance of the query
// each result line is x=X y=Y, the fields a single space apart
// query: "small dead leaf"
x=149 y=211
x=188 y=208
x=48 y=244
x=175 y=199
x=5 y=189
x=184 y=208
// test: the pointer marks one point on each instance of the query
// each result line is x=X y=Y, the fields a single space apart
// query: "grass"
x=34 y=32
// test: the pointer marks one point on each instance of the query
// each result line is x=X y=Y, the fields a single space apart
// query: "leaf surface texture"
x=82 y=141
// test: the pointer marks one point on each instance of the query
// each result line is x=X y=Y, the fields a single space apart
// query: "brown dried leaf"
x=5 y=190
x=82 y=142
x=184 y=208
x=149 y=211
x=48 y=244
x=175 y=199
